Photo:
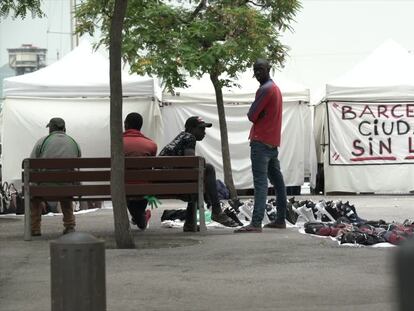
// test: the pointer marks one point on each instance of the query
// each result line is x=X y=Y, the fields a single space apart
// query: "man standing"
x=266 y=115
x=184 y=145
x=136 y=145
x=55 y=145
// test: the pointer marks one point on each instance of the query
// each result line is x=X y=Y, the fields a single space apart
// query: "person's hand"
x=152 y=201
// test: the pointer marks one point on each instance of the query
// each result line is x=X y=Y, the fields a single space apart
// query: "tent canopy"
x=202 y=90
x=385 y=75
x=82 y=72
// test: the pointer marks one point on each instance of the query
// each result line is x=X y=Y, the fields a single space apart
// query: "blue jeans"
x=265 y=164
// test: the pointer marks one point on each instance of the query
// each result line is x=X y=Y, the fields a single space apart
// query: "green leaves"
x=20 y=8
x=175 y=39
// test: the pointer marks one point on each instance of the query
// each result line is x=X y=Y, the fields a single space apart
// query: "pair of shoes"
x=68 y=230
x=275 y=225
x=142 y=221
x=223 y=219
x=229 y=211
x=36 y=233
x=190 y=227
x=249 y=229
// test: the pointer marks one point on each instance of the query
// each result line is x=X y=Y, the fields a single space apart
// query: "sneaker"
x=142 y=221
x=147 y=217
x=36 y=233
x=223 y=219
x=274 y=225
x=247 y=210
x=235 y=204
x=249 y=229
x=68 y=230
x=231 y=213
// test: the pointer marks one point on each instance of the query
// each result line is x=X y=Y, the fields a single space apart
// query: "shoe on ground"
x=68 y=230
x=225 y=220
x=188 y=227
x=142 y=221
x=235 y=204
x=275 y=225
x=249 y=229
x=232 y=214
x=36 y=233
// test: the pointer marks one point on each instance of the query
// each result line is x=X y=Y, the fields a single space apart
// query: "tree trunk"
x=123 y=235
x=225 y=151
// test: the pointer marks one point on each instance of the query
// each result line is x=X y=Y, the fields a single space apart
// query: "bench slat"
x=104 y=190
x=134 y=162
x=161 y=162
x=69 y=163
x=130 y=175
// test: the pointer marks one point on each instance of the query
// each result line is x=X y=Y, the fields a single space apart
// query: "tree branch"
x=200 y=6
x=255 y=4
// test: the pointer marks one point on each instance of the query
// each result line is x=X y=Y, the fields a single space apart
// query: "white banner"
x=370 y=133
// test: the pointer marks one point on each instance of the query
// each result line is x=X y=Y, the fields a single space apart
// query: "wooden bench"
x=89 y=179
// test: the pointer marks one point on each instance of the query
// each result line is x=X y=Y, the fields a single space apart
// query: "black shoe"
x=188 y=227
x=36 y=233
x=223 y=219
x=231 y=213
x=68 y=230
x=142 y=221
x=275 y=225
x=235 y=204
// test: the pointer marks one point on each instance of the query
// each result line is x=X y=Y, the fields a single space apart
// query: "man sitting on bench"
x=136 y=145
x=55 y=145
x=184 y=145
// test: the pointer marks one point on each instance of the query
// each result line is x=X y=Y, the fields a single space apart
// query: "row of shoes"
x=323 y=211
x=246 y=211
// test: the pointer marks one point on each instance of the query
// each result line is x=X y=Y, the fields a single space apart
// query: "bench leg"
x=200 y=195
x=201 y=213
x=27 y=211
x=27 y=221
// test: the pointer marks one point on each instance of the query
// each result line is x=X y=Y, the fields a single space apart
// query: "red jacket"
x=266 y=114
x=136 y=144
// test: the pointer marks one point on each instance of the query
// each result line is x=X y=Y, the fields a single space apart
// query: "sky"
x=329 y=37
x=52 y=33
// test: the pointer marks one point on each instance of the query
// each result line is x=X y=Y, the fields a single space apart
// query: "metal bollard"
x=405 y=274
x=77 y=273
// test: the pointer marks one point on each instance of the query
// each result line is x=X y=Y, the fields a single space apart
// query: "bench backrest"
x=90 y=177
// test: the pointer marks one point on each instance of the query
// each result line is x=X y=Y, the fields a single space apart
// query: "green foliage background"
x=174 y=39
x=20 y=8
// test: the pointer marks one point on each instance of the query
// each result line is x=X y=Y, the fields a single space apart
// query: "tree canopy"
x=176 y=39
x=20 y=8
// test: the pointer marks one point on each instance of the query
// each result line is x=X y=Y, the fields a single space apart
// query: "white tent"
x=297 y=152
x=75 y=88
x=366 y=124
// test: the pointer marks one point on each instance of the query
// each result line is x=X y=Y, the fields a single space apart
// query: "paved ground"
x=275 y=270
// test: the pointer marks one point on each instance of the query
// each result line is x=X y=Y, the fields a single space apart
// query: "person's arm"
x=258 y=108
x=189 y=146
x=154 y=150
